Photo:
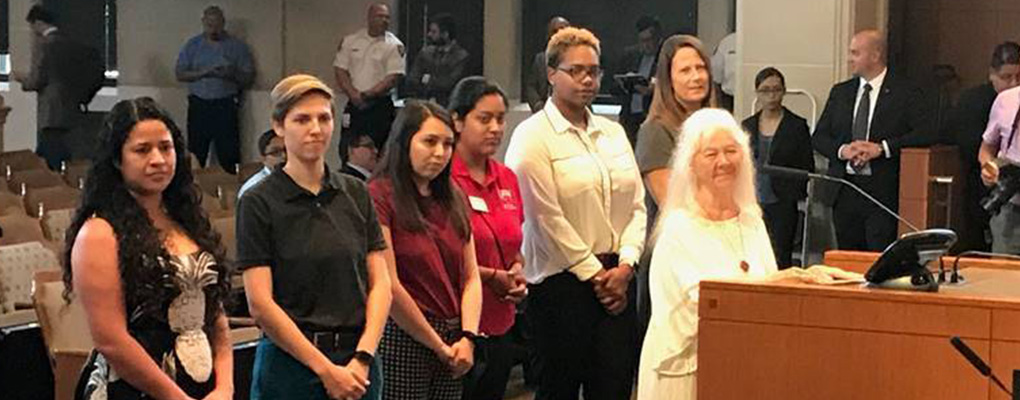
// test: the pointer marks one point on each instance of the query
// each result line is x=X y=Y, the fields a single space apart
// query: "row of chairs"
x=32 y=291
x=36 y=207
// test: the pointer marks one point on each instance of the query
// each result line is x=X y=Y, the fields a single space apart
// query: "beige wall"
x=285 y=37
x=714 y=21
x=810 y=52
x=503 y=44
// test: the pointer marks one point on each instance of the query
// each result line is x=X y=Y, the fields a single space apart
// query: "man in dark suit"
x=639 y=59
x=866 y=122
x=362 y=155
x=56 y=76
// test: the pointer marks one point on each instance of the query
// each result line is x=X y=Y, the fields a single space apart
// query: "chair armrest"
x=241 y=336
x=16 y=318
x=23 y=305
x=241 y=322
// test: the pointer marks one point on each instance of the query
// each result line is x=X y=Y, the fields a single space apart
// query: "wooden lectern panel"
x=760 y=361
x=923 y=202
x=774 y=340
x=860 y=261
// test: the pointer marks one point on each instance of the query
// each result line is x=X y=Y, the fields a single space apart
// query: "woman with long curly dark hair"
x=142 y=258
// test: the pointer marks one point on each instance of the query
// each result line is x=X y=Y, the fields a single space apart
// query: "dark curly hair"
x=147 y=283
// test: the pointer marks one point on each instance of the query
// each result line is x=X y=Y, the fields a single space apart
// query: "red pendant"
x=745 y=266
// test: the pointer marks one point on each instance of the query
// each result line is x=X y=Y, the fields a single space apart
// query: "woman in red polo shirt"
x=479 y=107
x=437 y=295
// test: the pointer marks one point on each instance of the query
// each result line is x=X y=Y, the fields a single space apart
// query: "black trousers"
x=495 y=356
x=781 y=223
x=580 y=345
x=214 y=121
x=54 y=145
x=374 y=120
x=860 y=224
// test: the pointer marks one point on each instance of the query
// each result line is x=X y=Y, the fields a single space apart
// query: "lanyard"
x=1012 y=130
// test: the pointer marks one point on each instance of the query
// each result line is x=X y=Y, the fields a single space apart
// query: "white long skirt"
x=654 y=386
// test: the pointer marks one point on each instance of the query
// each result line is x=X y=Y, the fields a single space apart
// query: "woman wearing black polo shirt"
x=312 y=253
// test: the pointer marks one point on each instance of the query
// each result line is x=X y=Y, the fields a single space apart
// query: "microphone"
x=795 y=173
x=977 y=362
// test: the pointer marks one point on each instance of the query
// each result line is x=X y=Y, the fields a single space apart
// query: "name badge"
x=478 y=204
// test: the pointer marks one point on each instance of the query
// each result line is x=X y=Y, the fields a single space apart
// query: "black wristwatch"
x=364 y=356
x=470 y=336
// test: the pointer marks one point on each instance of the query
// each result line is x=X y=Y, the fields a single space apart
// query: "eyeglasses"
x=278 y=152
x=368 y=144
x=775 y=90
x=578 y=72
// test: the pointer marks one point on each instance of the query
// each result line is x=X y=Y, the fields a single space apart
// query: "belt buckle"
x=325 y=341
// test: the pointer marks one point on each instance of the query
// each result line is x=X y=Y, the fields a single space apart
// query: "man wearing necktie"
x=867 y=120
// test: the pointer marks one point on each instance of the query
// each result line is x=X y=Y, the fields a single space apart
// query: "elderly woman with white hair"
x=710 y=227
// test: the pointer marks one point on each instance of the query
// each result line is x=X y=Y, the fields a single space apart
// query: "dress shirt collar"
x=876 y=82
x=293 y=191
x=364 y=171
x=561 y=125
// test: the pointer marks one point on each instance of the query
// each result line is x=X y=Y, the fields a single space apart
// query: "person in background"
x=684 y=86
x=217 y=67
x=584 y=229
x=479 y=112
x=724 y=69
x=779 y=137
x=967 y=122
x=57 y=76
x=440 y=64
x=866 y=121
x=369 y=63
x=536 y=84
x=437 y=294
x=273 y=153
x=362 y=156
x=639 y=59
x=146 y=266
x=312 y=253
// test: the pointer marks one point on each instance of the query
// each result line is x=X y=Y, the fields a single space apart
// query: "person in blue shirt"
x=217 y=67
x=273 y=153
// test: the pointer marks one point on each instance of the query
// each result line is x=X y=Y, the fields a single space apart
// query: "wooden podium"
x=931 y=188
x=797 y=341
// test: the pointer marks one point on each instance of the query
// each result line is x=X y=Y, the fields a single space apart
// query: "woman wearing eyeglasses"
x=779 y=137
x=584 y=229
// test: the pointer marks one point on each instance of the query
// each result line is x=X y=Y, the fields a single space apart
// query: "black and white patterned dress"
x=176 y=340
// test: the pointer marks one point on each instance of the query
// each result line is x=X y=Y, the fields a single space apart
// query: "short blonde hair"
x=566 y=38
x=292 y=89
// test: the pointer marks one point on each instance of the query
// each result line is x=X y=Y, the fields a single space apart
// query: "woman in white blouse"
x=710 y=227
x=584 y=227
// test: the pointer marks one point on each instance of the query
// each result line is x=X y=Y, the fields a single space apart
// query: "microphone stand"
x=775 y=169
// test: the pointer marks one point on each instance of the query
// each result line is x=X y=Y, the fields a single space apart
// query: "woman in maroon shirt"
x=437 y=294
x=479 y=107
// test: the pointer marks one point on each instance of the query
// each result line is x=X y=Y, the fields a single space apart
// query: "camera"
x=1007 y=186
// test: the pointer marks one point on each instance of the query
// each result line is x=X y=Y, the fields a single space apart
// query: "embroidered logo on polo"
x=507 y=197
